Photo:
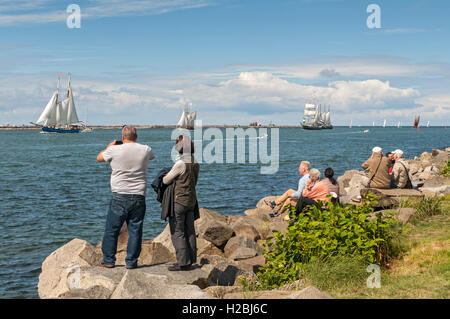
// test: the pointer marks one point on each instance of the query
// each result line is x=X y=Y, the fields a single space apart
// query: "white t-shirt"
x=129 y=163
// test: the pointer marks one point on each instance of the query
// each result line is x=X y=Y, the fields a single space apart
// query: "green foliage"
x=445 y=170
x=317 y=234
x=336 y=273
x=428 y=207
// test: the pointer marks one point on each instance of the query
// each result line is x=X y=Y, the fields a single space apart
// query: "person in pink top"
x=316 y=189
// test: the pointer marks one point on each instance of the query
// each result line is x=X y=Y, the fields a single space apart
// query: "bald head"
x=129 y=133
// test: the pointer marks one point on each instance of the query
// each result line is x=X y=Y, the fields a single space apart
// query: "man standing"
x=377 y=167
x=129 y=162
x=400 y=171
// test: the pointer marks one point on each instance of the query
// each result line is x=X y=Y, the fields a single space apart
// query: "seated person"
x=400 y=171
x=291 y=196
x=332 y=184
x=377 y=168
x=315 y=190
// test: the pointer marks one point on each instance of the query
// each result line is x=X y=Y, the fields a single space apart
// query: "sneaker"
x=274 y=215
x=271 y=204
x=107 y=265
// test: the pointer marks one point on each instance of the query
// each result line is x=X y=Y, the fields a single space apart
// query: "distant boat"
x=373 y=123
x=60 y=116
x=384 y=123
x=187 y=118
x=366 y=131
x=398 y=124
x=416 y=121
x=316 y=119
x=428 y=124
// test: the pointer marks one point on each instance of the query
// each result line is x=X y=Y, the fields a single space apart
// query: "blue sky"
x=236 y=61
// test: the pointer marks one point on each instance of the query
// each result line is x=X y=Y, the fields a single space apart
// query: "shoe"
x=107 y=265
x=179 y=268
x=271 y=204
x=274 y=215
x=130 y=267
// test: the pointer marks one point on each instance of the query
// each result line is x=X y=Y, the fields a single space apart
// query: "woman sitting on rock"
x=315 y=190
x=333 y=186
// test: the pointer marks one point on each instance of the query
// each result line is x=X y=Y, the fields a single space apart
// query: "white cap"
x=398 y=152
x=376 y=149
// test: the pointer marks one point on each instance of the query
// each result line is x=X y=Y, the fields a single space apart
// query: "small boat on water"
x=60 y=116
x=187 y=118
x=384 y=123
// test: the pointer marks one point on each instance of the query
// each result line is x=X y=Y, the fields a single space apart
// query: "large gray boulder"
x=224 y=272
x=61 y=267
x=262 y=203
x=242 y=241
x=350 y=184
x=213 y=227
x=242 y=225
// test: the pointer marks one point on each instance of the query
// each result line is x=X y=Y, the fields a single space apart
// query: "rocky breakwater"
x=228 y=247
x=424 y=174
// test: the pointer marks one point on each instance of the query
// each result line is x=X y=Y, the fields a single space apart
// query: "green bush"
x=445 y=170
x=318 y=234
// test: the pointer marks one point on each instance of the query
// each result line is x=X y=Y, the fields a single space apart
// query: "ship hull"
x=307 y=127
x=59 y=130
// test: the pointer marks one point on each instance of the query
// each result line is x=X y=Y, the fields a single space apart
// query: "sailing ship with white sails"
x=60 y=116
x=187 y=118
x=314 y=118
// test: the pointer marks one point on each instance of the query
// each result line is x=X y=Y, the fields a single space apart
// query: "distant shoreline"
x=109 y=127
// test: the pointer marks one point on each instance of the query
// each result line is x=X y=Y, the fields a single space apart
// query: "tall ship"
x=60 y=116
x=187 y=118
x=314 y=118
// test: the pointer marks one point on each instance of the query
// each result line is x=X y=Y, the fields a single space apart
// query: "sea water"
x=52 y=189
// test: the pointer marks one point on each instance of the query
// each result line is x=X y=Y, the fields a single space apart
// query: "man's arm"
x=100 y=156
x=301 y=185
x=178 y=169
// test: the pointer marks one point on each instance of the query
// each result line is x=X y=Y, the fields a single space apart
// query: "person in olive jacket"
x=377 y=168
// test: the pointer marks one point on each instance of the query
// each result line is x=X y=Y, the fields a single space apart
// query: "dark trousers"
x=303 y=202
x=129 y=209
x=182 y=233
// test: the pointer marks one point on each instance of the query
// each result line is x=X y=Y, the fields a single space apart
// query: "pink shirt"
x=318 y=192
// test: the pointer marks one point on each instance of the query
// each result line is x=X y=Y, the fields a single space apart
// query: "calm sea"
x=53 y=190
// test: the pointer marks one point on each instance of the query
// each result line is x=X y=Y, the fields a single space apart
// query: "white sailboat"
x=187 y=119
x=60 y=116
x=398 y=124
x=384 y=123
x=351 y=122
x=428 y=124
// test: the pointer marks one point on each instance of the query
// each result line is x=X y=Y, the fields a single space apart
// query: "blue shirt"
x=301 y=185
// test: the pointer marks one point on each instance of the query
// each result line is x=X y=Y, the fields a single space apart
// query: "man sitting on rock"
x=400 y=171
x=290 y=197
x=377 y=168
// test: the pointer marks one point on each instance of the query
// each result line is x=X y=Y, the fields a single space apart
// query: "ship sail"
x=72 y=116
x=384 y=123
x=187 y=119
x=48 y=116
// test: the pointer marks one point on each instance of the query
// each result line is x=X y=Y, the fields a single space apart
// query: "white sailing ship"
x=314 y=118
x=60 y=116
x=384 y=123
x=187 y=118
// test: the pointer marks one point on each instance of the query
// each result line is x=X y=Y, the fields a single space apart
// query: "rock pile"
x=424 y=174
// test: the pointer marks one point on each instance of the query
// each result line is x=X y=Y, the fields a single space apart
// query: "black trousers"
x=303 y=202
x=182 y=233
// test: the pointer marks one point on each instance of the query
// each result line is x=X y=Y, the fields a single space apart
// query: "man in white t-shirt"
x=129 y=161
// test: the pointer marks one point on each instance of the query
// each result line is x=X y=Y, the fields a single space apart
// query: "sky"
x=138 y=62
